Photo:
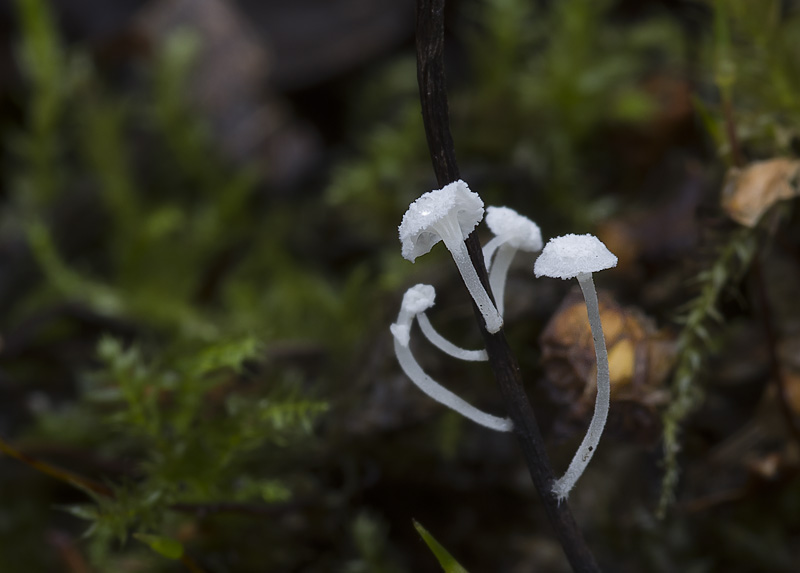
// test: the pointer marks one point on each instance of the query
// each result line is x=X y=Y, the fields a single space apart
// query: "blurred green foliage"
x=542 y=84
x=752 y=57
x=447 y=561
x=371 y=537
x=166 y=230
x=193 y=399
x=752 y=60
x=695 y=344
x=202 y=284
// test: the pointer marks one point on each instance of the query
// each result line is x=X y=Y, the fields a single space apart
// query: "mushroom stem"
x=499 y=273
x=445 y=396
x=445 y=345
x=458 y=250
x=588 y=446
x=489 y=249
x=401 y=329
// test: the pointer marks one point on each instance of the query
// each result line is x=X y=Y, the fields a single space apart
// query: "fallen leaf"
x=766 y=466
x=749 y=192
x=639 y=356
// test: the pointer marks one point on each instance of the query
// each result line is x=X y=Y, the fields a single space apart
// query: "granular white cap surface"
x=515 y=230
x=452 y=208
x=418 y=298
x=568 y=256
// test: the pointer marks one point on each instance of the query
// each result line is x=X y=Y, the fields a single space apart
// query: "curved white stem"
x=499 y=272
x=443 y=395
x=458 y=250
x=489 y=249
x=588 y=446
x=445 y=345
x=401 y=329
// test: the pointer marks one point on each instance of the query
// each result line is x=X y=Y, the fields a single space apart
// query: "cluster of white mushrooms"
x=449 y=215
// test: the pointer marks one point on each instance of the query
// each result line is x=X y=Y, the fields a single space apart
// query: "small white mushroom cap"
x=512 y=232
x=450 y=213
x=568 y=256
x=417 y=299
x=514 y=229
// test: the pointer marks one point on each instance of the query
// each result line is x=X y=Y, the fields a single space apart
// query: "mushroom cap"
x=568 y=256
x=436 y=211
x=515 y=229
x=418 y=298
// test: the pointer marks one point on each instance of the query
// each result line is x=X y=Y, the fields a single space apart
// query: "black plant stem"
x=433 y=97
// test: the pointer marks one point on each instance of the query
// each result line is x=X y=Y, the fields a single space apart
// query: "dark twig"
x=199 y=509
x=433 y=96
x=84 y=484
x=73 y=479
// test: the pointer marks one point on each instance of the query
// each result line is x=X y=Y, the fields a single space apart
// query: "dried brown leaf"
x=639 y=357
x=749 y=192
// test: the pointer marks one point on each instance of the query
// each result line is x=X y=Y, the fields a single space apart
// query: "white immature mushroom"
x=579 y=256
x=449 y=214
x=512 y=232
x=416 y=300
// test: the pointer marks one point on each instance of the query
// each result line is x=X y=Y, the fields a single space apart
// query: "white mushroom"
x=416 y=300
x=449 y=214
x=579 y=256
x=512 y=232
